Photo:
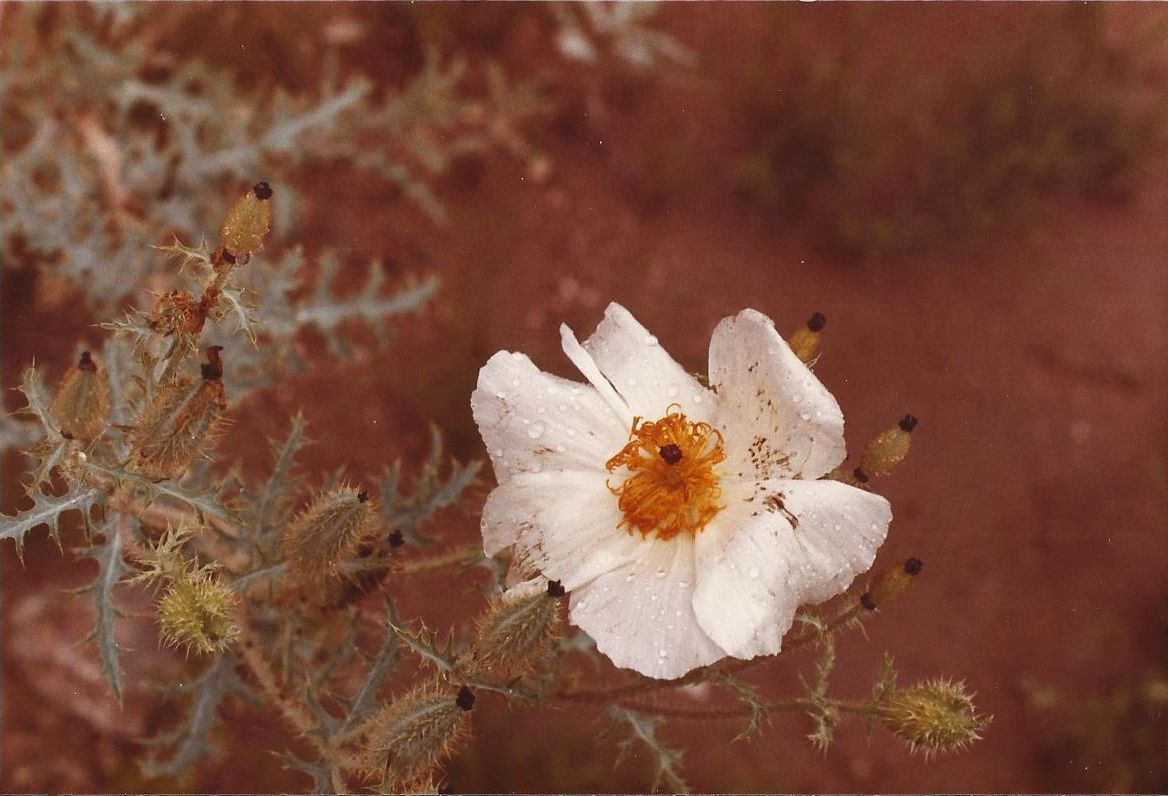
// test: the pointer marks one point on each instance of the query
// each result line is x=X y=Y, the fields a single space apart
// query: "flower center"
x=671 y=487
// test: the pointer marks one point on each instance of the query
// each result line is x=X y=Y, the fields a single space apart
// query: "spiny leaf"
x=38 y=401
x=430 y=493
x=190 y=740
x=759 y=711
x=111 y=568
x=270 y=504
x=46 y=510
x=380 y=666
x=188 y=255
x=666 y=760
x=425 y=643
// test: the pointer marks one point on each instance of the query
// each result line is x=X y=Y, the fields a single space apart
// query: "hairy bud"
x=891 y=583
x=179 y=422
x=248 y=221
x=933 y=716
x=83 y=400
x=325 y=533
x=805 y=341
x=197 y=613
x=517 y=633
x=406 y=741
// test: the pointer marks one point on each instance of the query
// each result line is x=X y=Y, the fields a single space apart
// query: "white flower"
x=686 y=521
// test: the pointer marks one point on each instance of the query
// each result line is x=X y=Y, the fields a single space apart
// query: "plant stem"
x=459 y=555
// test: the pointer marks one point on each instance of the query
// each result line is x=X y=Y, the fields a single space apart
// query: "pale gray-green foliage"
x=407 y=512
x=111 y=569
x=642 y=730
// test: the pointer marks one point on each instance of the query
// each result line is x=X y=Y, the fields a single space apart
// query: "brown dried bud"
x=179 y=422
x=326 y=533
x=248 y=221
x=83 y=400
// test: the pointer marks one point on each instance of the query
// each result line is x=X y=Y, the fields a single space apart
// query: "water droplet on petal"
x=661 y=573
x=536 y=431
x=671 y=390
x=754 y=573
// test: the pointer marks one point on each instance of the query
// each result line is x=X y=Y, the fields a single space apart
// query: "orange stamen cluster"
x=671 y=487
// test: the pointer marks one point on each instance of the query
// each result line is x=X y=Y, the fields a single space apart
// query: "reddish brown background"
x=1036 y=492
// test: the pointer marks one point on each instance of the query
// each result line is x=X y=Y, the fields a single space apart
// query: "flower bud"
x=889 y=449
x=891 y=583
x=933 y=716
x=326 y=533
x=406 y=741
x=179 y=422
x=517 y=633
x=248 y=221
x=805 y=341
x=83 y=400
x=198 y=613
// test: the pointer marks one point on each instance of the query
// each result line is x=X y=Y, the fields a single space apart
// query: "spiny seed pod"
x=327 y=532
x=177 y=312
x=805 y=341
x=517 y=633
x=406 y=741
x=891 y=583
x=198 y=613
x=179 y=421
x=889 y=449
x=83 y=400
x=933 y=716
x=248 y=221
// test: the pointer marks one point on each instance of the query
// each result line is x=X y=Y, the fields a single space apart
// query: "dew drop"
x=663 y=654
x=671 y=390
x=683 y=584
x=632 y=382
x=561 y=449
x=536 y=431
x=629 y=578
x=562 y=407
x=581 y=605
x=754 y=573
x=804 y=415
x=515 y=382
x=661 y=573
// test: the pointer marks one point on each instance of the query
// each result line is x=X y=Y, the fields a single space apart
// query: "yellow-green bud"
x=933 y=716
x=248 y=221
x=805 y=340
x=198 y=613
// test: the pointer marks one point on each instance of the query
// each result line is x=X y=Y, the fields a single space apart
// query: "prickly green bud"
x=406 y=741
x=933 y=716
x=83 y=400
x=198 y=613
x=518 y=631
x=891 y=583
x=805 y=340
x=248 y=221
x=179 y=422
x=326 y=533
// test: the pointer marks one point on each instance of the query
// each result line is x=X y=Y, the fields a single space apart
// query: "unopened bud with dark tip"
x=889 y=449
x=326 y=533
x=248 y=221
x=805 y=340
x=465 y=698
x=893 y=582
x=516 y=634
x=179 y=422
x=868 y=601
x=82 y=401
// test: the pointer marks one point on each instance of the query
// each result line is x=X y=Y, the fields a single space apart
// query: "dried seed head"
x=248 y=221
x=408 y=739
x=889 y=449
x=177 y=312
x=83 y=400
x=516 y=635
x=326 y=533
x=805 y=340
x=933 y=716
x=179 y=422
x=198 y=613
x=164 y=561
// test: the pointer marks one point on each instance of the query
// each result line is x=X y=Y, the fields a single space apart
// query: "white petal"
x=641 y=615
x=839 y=529
x=778 y=419
x=743 y=599
x=532 y=421
x=797 y=542
x=643 y=373
x=587 y=367
x=563 y=524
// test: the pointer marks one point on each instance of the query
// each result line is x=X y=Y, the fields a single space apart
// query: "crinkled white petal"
x=641 y=614
x=532 y=421
x=794 y=542
x=839 y=530
x=644 y=374
x=563 y=524
x=779 y=421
